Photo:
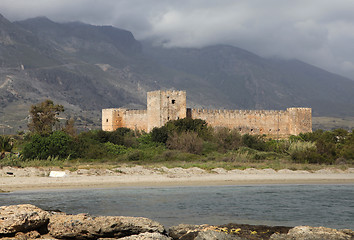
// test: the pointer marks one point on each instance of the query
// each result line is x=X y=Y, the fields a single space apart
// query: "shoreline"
x=37 y=179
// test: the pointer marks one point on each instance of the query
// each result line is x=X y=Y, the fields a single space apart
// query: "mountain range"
x=87 y=68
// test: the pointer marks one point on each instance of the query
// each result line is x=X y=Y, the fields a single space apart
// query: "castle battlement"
x=163 y=106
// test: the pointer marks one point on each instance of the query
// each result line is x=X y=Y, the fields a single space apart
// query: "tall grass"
x=299 y=146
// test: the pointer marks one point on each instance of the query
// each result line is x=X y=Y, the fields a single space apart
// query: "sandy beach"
x=16 y=179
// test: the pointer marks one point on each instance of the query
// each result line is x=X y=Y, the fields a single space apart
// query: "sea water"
x=286 y=205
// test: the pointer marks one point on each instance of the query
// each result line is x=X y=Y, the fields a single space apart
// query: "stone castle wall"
x=114 y=118
x=270 y=122
x=163 y=106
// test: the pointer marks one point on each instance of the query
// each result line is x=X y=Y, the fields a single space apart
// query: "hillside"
x=87 y=68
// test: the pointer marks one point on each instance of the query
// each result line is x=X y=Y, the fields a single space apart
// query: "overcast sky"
x=319 y=32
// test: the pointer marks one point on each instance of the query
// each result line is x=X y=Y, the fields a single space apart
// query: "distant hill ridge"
x=87 y=68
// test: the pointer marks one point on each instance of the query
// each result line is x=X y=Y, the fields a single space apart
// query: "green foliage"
x=301 y=147
x=308 y=156
x=278 y=146
x=198 y=126
x=121 y=136
x=182 y=144
x=227 y=139
x=185 y=141
x=329 y=146
x=254 y=141
x=5 y=145
x=159 y=134
x=44 y=117
x=57 y=144
x=69 y=127
x=11 y=159
x=114 y=149
x=135 y=155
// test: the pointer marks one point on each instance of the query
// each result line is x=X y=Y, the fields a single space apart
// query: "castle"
x=163 y=106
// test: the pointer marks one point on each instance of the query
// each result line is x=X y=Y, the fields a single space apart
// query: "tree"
x=44 y=116
x=5 y=145
x=69 y=127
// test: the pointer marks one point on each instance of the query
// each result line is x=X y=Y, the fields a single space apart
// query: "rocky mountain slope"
x=87 y=68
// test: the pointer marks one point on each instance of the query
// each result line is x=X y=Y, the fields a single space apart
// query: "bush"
x=185 y=141
x=135 y=155
x=159 y=135
x=198 y=126
x=278 y=146
x=254 y=141
x=5 y=145
x=57 y=144
x=301 y=147
x=227 y=139
x=114 y=149
x=308 y=156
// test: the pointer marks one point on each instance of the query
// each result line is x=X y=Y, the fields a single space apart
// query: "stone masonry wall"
x=163 y=106
x=270 y=122
x=114 y=118
x=300 y=120
x=136 y=120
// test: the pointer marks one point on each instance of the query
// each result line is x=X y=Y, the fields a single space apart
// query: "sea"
x=274 y=205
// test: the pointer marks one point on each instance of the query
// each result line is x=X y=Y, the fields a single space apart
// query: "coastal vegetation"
x=183 y=142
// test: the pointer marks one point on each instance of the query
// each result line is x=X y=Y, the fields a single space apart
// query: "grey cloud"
x=320 y=32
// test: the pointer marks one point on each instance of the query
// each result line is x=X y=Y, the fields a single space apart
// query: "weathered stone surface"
x=83 y=226
x=177 y=232
x=213 y=235
x=200 y=232
x=146 y=236
x=314 y=233
x=28 y=235
x=21 y=218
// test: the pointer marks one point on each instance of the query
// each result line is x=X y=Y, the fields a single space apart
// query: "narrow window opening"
x=107 y=120
x=168 y=118
x=173 y=101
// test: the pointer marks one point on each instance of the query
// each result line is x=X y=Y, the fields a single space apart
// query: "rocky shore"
x=30 y=222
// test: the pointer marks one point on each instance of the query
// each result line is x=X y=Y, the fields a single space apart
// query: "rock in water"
x=314 y=233
x=83 y=226
x=21 y=218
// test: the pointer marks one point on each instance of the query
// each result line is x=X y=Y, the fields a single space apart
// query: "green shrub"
x=88 y=148
x=122 y=136
x=278 y=146
x=159 y=135
x=308 y=156
x=198 y=126
x=254 y=141
x=114 y=149
x=227 y=139
x=57 y=144
x=185 y=141
x=135 y=155
x=301 y=147
x=5 y=145
x=11 y=159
